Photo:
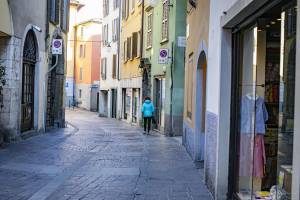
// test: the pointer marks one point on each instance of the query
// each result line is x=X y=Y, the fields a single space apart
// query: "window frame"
x=165 y=21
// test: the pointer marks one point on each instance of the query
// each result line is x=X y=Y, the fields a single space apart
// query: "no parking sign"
x=57 y=46
x=163 y=56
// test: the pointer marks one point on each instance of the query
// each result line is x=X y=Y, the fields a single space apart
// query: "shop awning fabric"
x=5 y=19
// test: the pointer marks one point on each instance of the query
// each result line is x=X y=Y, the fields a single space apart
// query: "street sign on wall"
x=57 y=46
x=163 y=56
x=181 y=41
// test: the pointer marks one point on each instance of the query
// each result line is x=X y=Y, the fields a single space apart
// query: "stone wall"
x=10 y=57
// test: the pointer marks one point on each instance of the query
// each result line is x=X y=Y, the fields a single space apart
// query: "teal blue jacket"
x=148 y=109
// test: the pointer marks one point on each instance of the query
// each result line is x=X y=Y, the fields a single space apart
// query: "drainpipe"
x=45 y=93
x=171 y=92
x=74 y=66
x=142 y=29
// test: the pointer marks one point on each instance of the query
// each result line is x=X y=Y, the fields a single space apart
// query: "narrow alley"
x=99 y=158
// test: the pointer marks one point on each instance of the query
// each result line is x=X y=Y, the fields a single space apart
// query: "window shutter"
x=129 y=46
x=114 y=66
x=65 y=15
x=135 y=45
x=57 y=11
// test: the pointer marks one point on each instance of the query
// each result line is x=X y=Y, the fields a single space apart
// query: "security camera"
x=37 y=28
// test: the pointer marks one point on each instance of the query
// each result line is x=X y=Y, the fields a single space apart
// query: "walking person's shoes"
x=144 y=132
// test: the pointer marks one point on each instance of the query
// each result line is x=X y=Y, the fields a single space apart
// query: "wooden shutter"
x=135 y=45
x=114 y=66
x=129 y=53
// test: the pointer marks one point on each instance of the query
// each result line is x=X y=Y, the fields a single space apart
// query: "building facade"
x=23 y=57
x=130 y=96
x=55 y=75
x=252 y=100
x=163 y=63
x=195 y=78
x=84 y=46
x=110 y=70
x=87 y=64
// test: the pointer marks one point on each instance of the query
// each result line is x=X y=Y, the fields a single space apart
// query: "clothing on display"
x=261 y=115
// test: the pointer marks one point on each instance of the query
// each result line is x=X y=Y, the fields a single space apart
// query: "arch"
x=201 y=73
x=30 y=56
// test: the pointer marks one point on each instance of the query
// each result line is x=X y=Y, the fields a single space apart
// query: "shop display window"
x=266 y=90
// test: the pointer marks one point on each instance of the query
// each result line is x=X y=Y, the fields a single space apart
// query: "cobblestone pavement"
x=101 y=159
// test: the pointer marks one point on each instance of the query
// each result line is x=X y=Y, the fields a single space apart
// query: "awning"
x=5 y=19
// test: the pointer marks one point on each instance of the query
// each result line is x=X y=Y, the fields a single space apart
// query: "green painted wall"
x=177 y=27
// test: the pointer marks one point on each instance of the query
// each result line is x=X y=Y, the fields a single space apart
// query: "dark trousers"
x=147 y=123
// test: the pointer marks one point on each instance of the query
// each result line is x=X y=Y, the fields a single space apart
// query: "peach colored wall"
x=90 y=62
x=96 y=57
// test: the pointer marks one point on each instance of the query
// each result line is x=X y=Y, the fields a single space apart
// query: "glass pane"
x=287 y=102
x=247 y=113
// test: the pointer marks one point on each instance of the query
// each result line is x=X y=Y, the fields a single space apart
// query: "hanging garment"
x=249 y=106
x=252 y=158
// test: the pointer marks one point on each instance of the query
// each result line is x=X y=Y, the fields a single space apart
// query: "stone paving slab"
x=99 y=159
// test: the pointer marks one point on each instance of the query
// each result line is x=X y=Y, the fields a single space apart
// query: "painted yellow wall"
x=5 y=18
x=132 y=24
x=198 y=23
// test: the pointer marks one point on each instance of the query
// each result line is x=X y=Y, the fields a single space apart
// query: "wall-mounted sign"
x=57 y=46
x=163 y=56
x=181 y=41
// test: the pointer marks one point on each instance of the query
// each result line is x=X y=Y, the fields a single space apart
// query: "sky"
x=91 y=10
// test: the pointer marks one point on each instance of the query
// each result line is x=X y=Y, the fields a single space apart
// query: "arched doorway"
x=28 y=77
x=201 y=103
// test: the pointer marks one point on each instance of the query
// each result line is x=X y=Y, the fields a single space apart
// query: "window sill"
x=164 y=41
x=149 y=47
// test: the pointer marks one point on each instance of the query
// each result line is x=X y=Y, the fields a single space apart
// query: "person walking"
x=148 y=113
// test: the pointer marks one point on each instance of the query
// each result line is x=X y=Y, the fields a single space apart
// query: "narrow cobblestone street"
x=99 y=159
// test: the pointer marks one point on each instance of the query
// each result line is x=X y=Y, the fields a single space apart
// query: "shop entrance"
x=28 y=83
x=263 y=106
x=159 y=100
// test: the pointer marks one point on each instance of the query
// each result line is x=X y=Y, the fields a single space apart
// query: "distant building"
x=84 y=54
x=110 y=65
x=130 y=75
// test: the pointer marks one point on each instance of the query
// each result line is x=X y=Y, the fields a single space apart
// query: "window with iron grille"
x=65 y=15
x=105 y=8
x=165 y=20
x=103 y=68
x=54 y=11
x=149 y=30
